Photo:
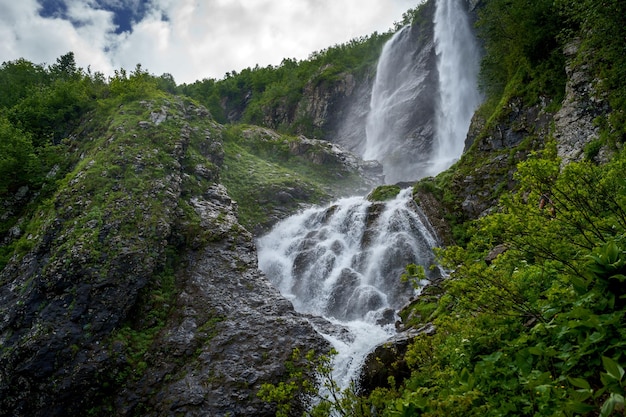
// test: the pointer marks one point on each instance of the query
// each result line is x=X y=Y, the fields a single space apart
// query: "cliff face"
x=575 y=126
x=135 y=289
x=339 y=108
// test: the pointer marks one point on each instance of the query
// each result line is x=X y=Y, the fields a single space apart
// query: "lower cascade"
x=344 y=263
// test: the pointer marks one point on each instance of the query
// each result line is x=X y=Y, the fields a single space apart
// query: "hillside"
x=129 y=282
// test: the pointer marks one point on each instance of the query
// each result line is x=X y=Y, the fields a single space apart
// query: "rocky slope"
x=135 y=289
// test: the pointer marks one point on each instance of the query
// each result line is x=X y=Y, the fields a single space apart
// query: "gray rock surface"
x=232 y=331
x=575 y=125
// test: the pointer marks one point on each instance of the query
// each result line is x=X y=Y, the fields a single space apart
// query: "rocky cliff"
x=135 y=289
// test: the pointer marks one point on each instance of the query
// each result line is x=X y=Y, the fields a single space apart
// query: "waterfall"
x=402 y=80
x=457 y=64
x=424 y=95
x=343 y=262
x=395 y=89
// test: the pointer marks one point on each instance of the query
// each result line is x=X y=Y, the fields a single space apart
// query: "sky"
x=189 y=39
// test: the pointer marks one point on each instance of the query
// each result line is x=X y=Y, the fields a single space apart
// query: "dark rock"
x=495 y=252
x=387 y=360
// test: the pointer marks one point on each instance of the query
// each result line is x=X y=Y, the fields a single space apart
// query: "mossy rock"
x=384 y=193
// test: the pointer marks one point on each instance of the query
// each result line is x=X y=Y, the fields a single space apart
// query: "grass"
x=264 y=176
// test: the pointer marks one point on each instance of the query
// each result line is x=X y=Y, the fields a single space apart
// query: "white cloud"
x=192 y=39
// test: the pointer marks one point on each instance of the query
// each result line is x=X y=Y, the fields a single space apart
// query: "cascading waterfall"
x=343 y=262
x=457 y=64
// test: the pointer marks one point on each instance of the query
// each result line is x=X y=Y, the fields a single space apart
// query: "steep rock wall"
x=136 y=291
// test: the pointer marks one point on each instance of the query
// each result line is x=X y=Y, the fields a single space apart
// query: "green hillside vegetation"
x=257 y=93
x=47 y=107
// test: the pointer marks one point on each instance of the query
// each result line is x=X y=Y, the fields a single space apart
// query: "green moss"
x=263 y=174
x=384 y=193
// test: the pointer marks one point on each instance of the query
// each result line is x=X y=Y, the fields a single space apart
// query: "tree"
x=65 y=67
x=19 y=164
x=17 y=79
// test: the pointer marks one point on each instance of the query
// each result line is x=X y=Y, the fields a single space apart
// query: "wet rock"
x=387 y=360
x=338 y=305
x=86 y=320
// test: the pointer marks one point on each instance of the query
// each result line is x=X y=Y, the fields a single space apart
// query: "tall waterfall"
x=423 y=99
x=344 y=262
x=397 y=87
x=457 y=64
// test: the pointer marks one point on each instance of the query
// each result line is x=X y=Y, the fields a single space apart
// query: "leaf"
x=596 y=337
x=610 y=404
x=579 y=382
x=494 y=357
x=619 y=277
x=465 y=376
x=612 y=368
x=612 y=252
x=579 y=284
x=579 y=407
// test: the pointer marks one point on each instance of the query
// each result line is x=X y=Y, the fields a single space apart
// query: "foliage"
x=539 y=329
x=19 y=164
x=263 y=173
x=256 y=95
x=521 y=43
x=17 y=79
x=310 y=382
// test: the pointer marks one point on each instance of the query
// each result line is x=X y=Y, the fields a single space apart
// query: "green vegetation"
x=321 y=399
x=522 y=52
x=384 y=193
x=535 y=331
x=255 y=95
x=264 y=171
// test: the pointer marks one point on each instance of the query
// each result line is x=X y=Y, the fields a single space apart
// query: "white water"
x=395 y=89
x=458 y=62
x=344 y=262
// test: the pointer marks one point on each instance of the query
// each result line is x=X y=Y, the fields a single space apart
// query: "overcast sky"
x=190 y=39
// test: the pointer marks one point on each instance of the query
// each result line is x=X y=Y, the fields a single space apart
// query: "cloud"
x=189 y=39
